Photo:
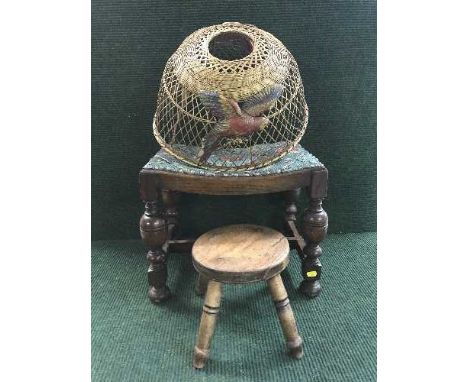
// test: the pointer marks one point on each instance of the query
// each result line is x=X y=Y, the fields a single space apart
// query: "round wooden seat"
x=240 y=253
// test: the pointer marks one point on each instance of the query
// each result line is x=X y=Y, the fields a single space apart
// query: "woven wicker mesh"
x=236 y=61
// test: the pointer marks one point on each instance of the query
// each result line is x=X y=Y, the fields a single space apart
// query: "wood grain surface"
x=222 y=185
x=241 y=253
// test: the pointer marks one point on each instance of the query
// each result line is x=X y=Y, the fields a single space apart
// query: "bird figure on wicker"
x=234 y=120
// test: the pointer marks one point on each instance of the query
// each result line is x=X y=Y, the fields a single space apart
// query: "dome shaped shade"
x=231 y=97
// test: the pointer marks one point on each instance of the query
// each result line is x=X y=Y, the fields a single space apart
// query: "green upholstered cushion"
x=297 y=159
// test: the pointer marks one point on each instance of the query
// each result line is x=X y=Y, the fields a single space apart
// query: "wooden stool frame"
x=160 y=189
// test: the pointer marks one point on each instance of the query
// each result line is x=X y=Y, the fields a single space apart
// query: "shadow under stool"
x=240 y=254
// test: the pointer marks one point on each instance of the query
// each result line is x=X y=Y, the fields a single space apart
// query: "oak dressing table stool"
x=165 y=176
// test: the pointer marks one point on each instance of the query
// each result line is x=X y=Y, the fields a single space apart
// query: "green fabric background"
x=132 y=340
x=334 y=43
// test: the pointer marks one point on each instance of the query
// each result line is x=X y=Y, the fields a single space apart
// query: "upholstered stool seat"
x=296 y=160
x=242 y=254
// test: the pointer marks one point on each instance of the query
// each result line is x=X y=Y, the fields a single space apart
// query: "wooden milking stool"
x=239 y=254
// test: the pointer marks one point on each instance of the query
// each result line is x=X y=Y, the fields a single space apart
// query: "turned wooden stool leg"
x=290 y=217
x=314 y=228
x=207 y=323
x=286 y=316
x=291 y=197
x=202 y=284
x=171 y=213
x=153 y=230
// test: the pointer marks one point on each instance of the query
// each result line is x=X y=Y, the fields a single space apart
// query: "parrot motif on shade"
x=234 y=120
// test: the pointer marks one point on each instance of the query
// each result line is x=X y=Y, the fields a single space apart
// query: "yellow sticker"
x=311 y=273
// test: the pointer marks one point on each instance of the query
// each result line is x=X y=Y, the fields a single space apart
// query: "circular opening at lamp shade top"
x=230 y=46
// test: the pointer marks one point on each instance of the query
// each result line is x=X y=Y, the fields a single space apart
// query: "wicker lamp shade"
x=231 y=97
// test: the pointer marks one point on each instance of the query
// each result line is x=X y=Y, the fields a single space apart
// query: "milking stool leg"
x=207 y=323
x=286 y=316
